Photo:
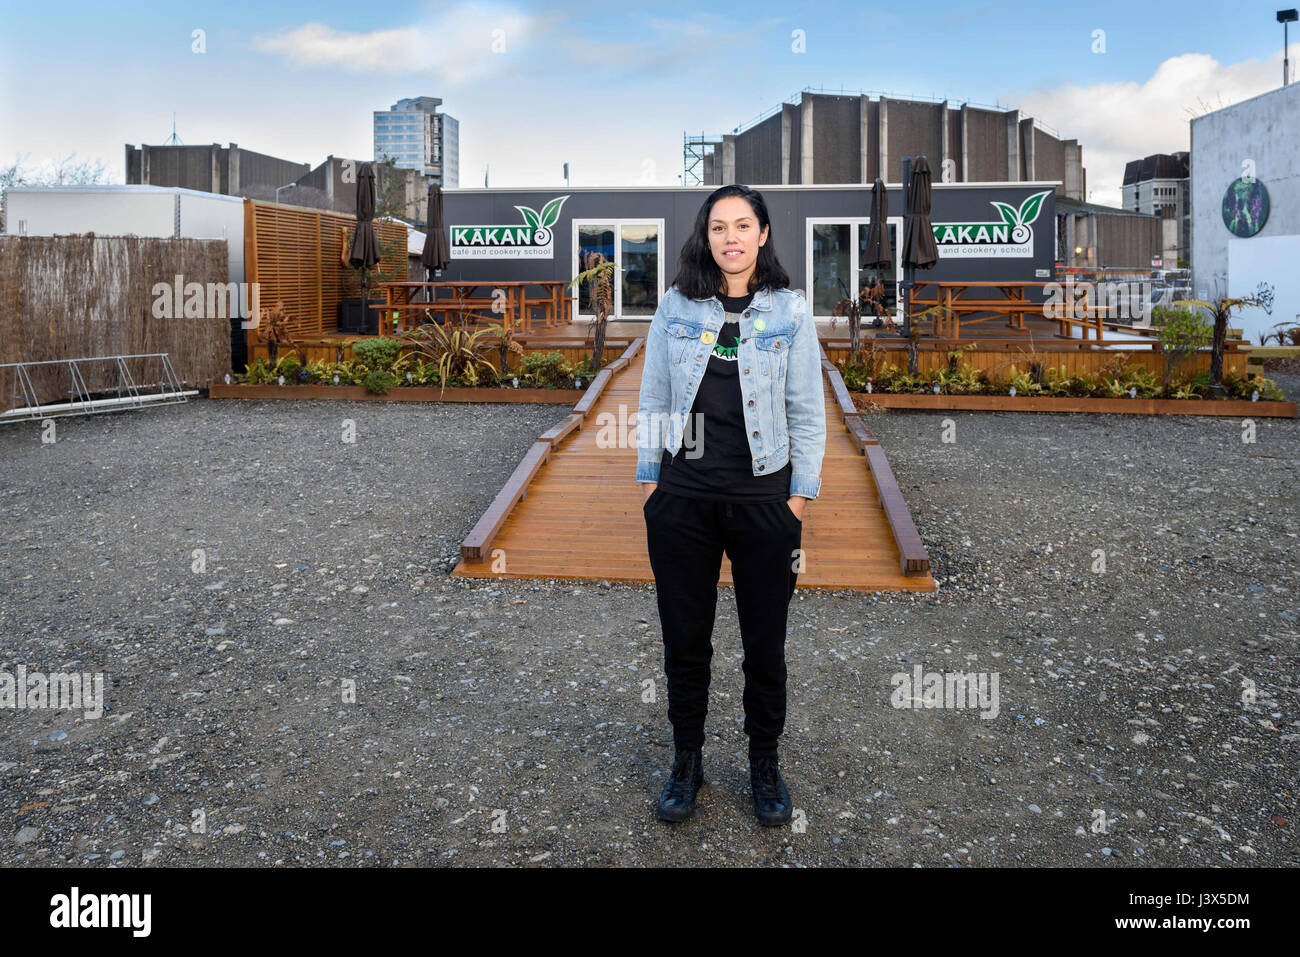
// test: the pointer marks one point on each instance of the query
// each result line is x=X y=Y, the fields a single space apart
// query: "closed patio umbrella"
x=879 y=254
x=436 y=253
x=365 y=246
x=919 y=248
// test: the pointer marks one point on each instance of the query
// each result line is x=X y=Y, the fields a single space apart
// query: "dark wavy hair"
x=699 y=276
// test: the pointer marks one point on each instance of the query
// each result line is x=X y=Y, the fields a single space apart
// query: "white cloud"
x=462 y=44
x=1119 y=122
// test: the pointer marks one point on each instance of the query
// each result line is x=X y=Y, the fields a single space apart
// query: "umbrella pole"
x=909 y=272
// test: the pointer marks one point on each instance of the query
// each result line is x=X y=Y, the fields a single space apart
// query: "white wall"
x=1271 y=260
x=126 y=211
x=1263 y=130
x=204 y=217
x=58 y=212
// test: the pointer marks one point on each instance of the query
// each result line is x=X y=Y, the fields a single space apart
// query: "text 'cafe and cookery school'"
x=984 y=231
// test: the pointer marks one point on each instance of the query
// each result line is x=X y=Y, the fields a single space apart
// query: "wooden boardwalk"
x=573 y=507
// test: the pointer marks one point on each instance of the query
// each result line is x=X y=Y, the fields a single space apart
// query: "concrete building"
x=227 y=170
x=420 y=138
x=1093 y=236
x=232 y=171
x=1246 y=206
x=1160 y=185
x=826 y=138
x=333 y=185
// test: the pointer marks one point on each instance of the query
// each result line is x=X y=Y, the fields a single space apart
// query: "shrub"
x=548 y=369
x=378 y=353
x=1023 y=381
x=257 y=372
x=317 y=371
x=425 y=373
x=1182 y=333
x=352 y=372
x=379 y=381
x=289 y=367
x=1240 y=387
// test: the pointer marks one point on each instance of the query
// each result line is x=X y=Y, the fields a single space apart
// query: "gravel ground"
x=503 y=722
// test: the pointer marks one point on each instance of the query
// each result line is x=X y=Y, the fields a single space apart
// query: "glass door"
x=633 y=245
x=889 y=278
x=831 y=266
x=834 y=256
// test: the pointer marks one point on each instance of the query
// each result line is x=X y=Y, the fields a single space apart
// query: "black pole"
x=908 y=271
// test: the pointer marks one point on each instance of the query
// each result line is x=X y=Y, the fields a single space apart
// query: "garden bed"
x=1037 y=403
x=414 y=393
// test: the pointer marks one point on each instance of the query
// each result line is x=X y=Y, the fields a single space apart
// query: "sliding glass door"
x=836 y=247
x=634 y=246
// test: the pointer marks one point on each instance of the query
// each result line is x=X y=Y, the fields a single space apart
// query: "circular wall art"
x=1245 y=207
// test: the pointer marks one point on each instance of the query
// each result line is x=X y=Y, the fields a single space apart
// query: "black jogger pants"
x=686 y=538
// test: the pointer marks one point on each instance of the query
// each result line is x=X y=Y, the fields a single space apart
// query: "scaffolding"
x=24 y=404
x=694 y=150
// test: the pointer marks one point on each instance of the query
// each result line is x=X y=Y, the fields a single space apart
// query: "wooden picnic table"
x=400 y=299
x=953 y=304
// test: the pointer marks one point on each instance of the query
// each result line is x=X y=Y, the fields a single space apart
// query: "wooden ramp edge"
x=572 y=509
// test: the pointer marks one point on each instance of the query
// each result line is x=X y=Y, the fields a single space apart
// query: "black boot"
x=771 y=799
x=677 y=802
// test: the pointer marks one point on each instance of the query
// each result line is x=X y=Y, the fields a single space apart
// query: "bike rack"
x=24 y=407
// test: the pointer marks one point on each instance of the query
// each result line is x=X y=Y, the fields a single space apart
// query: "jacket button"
x=755 y=431
x=746 y=372
x=751 y=401
x=760 y=468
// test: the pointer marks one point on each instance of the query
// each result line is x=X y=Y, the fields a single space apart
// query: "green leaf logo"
x=1009 y=214
x=1029 y=208
x=530 y=216
x=549 y=215
x=551 y=211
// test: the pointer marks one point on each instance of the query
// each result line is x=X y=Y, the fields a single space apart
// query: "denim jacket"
x=780 y=383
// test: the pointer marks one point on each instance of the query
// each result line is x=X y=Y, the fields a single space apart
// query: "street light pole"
x=1286 y=17
x=277 y=191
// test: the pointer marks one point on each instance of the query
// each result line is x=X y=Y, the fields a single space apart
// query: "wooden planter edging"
x=477 y=546
x=1235 y=408
x=913 y=559
x=414 y=393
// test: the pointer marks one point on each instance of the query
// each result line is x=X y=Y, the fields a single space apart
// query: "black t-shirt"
x=723 y=468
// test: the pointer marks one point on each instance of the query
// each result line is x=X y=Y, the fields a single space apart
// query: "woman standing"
x=731 y=433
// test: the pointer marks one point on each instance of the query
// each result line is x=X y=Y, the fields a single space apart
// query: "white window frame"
x=618 y=223
x=854 y=268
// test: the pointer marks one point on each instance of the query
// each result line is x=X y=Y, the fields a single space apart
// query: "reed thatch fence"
x=68 y=297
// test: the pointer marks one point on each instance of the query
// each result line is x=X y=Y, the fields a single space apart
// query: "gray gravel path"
x=503 y=722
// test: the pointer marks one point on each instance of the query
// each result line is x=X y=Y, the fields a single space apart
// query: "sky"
x=609 y=88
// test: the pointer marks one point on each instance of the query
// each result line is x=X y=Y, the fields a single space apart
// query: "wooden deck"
x=573 y=509
x=1044 y=333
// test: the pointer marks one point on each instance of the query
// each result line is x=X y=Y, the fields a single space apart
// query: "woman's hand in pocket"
x=647 y=489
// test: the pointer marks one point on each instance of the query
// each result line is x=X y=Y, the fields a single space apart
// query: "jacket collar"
x=762 y=299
